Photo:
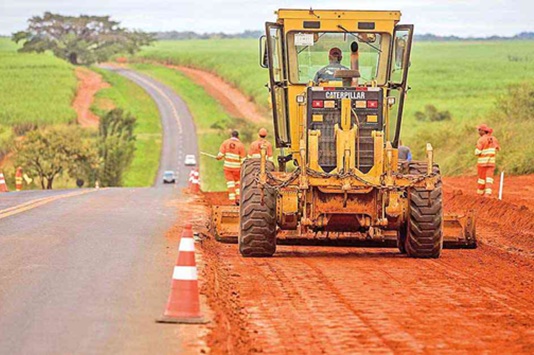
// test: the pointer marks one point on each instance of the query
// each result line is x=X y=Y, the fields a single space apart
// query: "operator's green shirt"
x=327 y=73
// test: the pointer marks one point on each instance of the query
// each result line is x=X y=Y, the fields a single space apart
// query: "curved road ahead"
x=179 y=134
x=89 y=272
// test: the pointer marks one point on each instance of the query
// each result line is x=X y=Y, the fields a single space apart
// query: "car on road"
x=190 y=160
x=169 y=177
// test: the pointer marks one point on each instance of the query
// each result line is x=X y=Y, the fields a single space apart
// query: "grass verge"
x=128 y=96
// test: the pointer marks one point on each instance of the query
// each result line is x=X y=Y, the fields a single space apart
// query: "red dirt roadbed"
x=350 y=300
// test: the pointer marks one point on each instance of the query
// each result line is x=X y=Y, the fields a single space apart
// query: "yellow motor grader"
x=341 y=132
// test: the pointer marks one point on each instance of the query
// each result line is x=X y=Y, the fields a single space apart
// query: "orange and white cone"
x=191 y=179
x=3 y=186
x=183 y=305
x=194 y=181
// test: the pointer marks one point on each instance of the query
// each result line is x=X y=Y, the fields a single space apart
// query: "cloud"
x=457 y=17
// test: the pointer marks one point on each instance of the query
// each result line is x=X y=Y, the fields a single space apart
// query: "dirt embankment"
x=506 y=224
x=89 y=83
x=233 y=100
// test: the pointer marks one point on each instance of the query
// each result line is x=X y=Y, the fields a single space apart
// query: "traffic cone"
x=3 y=186
x=197 y=181
x=194 y=181
x=183 y=305
x=18 y=179
x=191 y=179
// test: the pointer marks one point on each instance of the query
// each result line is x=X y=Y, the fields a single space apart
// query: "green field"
x=212 y=122
x=38 y=89
x=34 y=88
x=464 y=78
x=131 y=98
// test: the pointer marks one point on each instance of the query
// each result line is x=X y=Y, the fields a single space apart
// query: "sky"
x=465 y=18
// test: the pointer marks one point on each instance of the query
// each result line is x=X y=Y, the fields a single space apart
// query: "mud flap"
x=224 y=224
x=459 y=231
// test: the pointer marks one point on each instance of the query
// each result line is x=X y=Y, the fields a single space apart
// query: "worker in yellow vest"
x=233 y=153
x=486 y=150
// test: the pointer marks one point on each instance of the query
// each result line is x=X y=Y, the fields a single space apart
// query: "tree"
x=116 y=146
x=80 y=40
x=50 y=153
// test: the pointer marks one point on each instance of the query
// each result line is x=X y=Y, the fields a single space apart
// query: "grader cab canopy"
x=338 y=82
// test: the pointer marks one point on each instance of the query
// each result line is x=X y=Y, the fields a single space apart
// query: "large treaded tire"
x=424 y=231
x=257 y=225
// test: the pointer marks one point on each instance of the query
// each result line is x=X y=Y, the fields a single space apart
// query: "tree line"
x=69 y=151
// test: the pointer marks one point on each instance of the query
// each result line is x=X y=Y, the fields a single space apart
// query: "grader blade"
x=225 y=223
x=459 y=231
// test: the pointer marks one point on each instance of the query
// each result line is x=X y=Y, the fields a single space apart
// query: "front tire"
x=424 y=230
x=257 y=225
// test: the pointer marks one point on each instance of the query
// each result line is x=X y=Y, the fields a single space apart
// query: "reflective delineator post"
x=501 y=185
x=18 y=179
x=183 y=305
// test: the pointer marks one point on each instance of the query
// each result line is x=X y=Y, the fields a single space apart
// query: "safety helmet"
x=484 y=127
x=262 y=132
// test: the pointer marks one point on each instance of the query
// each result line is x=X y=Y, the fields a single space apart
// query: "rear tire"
x=257 y=225
x=424 y=230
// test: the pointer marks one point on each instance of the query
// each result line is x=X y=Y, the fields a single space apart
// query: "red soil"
x=89 y=83
x=346 y=300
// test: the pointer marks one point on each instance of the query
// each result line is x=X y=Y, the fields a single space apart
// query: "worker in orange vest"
x=254 y=150
x=233 y=153
x=487 y=147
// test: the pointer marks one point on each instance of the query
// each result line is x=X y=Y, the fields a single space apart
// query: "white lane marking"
x=187 y=273
x=187 y=244
x=164 y=95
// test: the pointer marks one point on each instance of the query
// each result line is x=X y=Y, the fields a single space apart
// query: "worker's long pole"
x=501 y=185
x=208 y=155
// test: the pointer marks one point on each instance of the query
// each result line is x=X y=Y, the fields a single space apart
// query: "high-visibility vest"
x=233 y=152
x=486 y=150
x=254 y=150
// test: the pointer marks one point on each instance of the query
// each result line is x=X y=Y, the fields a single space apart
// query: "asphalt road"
x=88 y=274
x=179 y=135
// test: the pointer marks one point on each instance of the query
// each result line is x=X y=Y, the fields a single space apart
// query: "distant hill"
x=176 y=35
x=184 y=35
x=434 y=38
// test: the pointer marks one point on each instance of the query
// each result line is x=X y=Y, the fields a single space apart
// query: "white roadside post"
x=501 y=185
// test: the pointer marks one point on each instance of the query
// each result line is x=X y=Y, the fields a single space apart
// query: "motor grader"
x=346 y=184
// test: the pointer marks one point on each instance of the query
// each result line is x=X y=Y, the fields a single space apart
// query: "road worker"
x=327 y=73
x=486 y=149
x=405 y=152
x=254 y=150
x=233 y=153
